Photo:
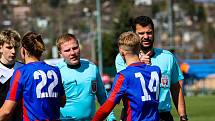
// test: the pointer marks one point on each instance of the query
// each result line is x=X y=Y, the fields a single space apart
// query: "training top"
x=39 y=87
x=138 y=87
x=5 y=76
x=81 y=85
x=170 y=71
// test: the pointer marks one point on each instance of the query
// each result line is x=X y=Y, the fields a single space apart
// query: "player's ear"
x=23 y=53
x=122 y=52
x=59 y=52
x=1 y=51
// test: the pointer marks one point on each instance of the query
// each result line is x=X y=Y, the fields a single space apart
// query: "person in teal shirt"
x=171 y=81
x=81 y=81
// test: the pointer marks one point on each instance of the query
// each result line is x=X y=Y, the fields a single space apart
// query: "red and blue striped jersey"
x=39 y=87
x=138 y=87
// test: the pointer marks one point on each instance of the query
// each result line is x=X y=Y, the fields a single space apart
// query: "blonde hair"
x=64 y=38
x=129 y=41
x=11 y=37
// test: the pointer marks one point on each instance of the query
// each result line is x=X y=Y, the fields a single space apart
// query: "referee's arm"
x=178 y=98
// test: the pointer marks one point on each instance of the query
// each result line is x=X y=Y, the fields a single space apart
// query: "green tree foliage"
x=108 y=56
x=54 y=3
x=200 y=13
x=123 y=23
x=189 y=6
x=110 y=48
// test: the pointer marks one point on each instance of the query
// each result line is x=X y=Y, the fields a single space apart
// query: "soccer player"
x=137 y=85
x=171 y=81
x=81 y=80
x=36 y=83
x=9 y=45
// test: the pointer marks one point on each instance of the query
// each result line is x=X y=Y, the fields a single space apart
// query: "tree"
x=110 y=48
x=54 y=3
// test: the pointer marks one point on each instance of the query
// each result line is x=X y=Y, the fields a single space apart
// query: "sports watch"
x=183 y=118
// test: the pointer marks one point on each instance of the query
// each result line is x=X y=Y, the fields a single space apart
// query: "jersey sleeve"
x=119 y=63
x=15 y=87
x=116 y=94
x=176 y=72
x=118 y=89
x=102 y=95
x=101 y=92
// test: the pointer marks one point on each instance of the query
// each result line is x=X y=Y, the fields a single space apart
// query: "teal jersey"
x=170 y=71
x=81 y=86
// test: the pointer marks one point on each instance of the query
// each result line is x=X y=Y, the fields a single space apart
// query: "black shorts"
x=166 y=116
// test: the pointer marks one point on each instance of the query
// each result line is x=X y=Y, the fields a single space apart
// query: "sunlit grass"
x=199 y=108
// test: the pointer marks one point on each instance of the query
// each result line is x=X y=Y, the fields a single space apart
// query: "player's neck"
x=129 y=59
x=7 y=62
x=10 y=66
x=31 y=59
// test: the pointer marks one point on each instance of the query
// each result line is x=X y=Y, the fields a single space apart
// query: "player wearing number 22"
x=37 y=84
x=137 y=85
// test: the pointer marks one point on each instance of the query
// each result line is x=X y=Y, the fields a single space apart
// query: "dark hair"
x=143 y=21
x=64 y=38
x=33 y=43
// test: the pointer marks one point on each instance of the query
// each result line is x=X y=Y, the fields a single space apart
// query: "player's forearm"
x=100 y=116
x=181 y=101
x=4 y=114
x=7 y=109
x=103 y=111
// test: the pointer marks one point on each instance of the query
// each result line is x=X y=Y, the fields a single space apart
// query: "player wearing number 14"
x=137 y=85
x=37 y=84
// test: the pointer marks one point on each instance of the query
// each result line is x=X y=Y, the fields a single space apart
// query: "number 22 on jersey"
x=50 y=75
x=151 y=87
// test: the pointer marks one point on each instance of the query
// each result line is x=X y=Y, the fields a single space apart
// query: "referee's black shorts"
x=166 y=116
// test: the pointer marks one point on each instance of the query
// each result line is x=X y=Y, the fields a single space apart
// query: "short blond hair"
x=10 y=36
x=129 y=41
x=64 y=38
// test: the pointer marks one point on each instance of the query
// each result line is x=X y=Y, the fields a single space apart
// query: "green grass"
x=199 y=108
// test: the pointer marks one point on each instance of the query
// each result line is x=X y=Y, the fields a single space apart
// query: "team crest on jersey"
x=164 y=81
x=94 y=86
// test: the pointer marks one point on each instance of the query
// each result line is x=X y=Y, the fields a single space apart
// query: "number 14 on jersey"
x=153 y=88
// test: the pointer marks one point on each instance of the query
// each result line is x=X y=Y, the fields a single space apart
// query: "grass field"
x=199 y=108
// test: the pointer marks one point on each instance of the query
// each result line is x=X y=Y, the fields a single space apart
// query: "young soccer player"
x=36 y=83
x=9 y=46
x=137 y=85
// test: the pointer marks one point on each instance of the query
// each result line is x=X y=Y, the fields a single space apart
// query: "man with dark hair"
x=137 y=85
x=171 y=81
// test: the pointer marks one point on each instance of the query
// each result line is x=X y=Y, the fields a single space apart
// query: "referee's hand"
x=145 y=58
